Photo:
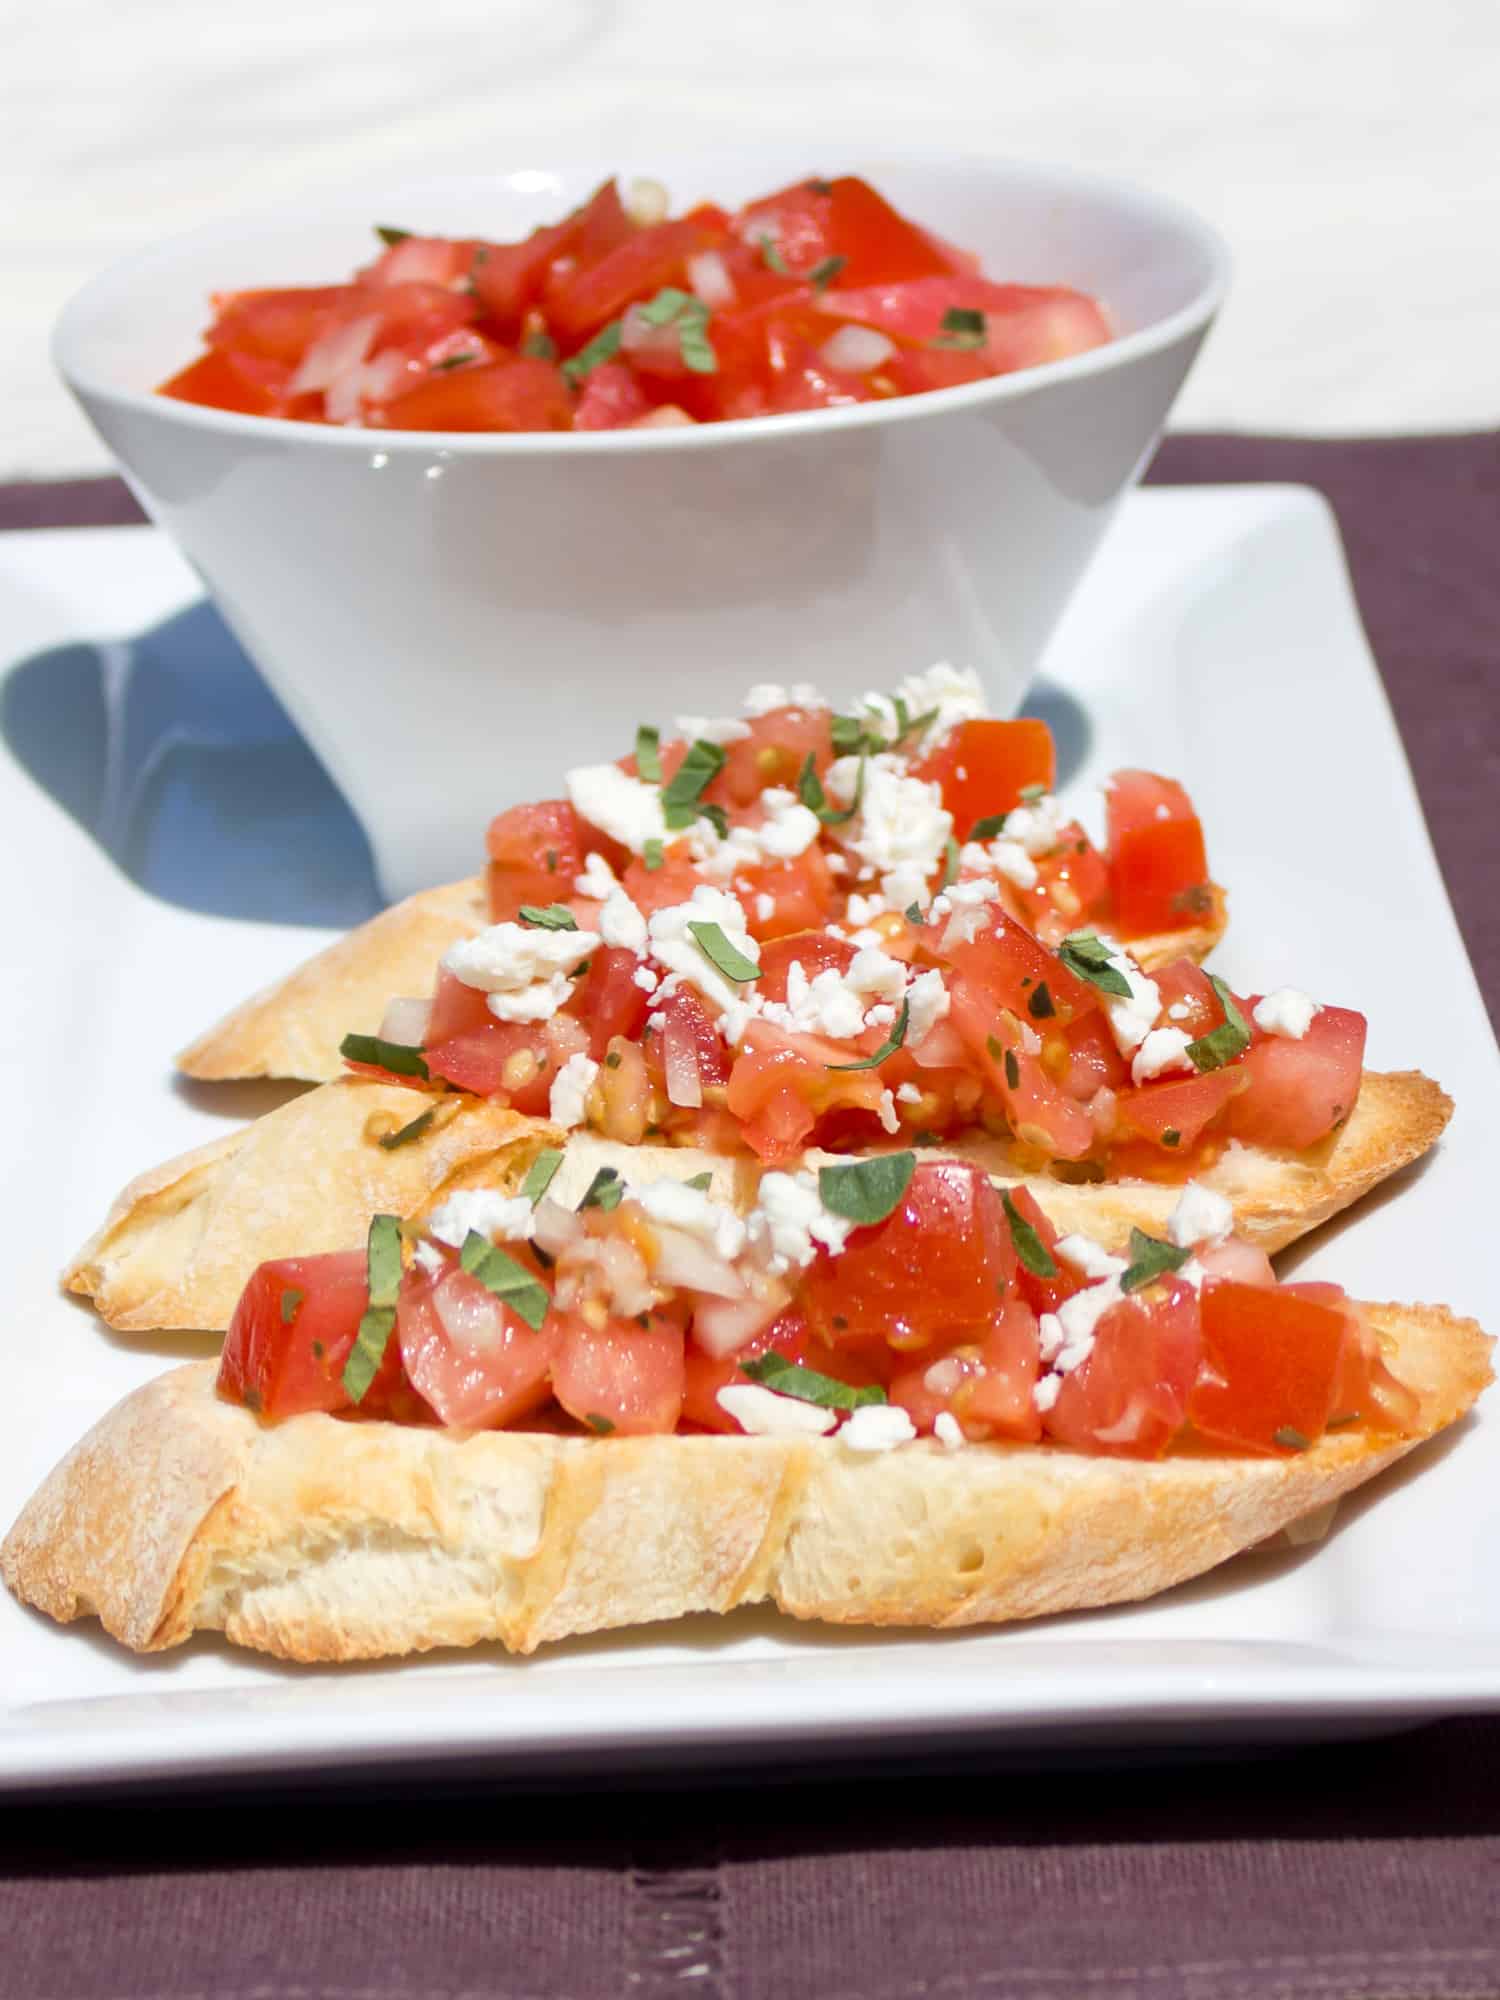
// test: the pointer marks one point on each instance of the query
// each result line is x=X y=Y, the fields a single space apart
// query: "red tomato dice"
x=620 y=1377
x=1297 y=1092
x=983 y=765
x=520 y=395
x=1158 y=868
x=535 y=852
x=1271 y=1365
x=1130 y=1397
x=474 y=1361
x=291 y=1334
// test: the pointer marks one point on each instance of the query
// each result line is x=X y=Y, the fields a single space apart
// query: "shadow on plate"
x=171 y=751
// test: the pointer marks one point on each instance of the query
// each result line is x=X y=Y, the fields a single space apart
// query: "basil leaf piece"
x=600 y=1426
x=653 y=854
x=376 y=1326
x=648 y=754
x=810 y=791
x=1032 y=1251
x=1039 y=1003
x=988 y=827
x=889 y=1048
x=772 y=258
x=717 y=818
x=950 y=862
x=825 y=271
x=604 y=346
x=702 y=1182
x=1150 y=1258
x=555 y=917
x=391 y=237
x=541 y=1174
x=717 y=949
x=454 y=361
x=400 y=1058
x=1222 y=1044
x=291 y=1298
x=913 y=914
x=606 y=1190
x=789 y=1378
x=413 y=1129
x=667 y=305
x=1088 y=956
x=539 y=346
x=867 y=1191
x=1031 y=793
x=383 y=1259
x=695 y=347
x=963 y=327
x=511 y=1283
x=1291 y=1439
x=850 y=736
x=697 y=771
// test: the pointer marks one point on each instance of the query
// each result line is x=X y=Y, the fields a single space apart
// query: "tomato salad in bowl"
x=816 y=296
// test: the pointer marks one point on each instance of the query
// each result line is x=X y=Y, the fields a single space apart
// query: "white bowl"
x=450 y=619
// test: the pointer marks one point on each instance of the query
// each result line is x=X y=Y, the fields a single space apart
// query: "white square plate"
x=1216 y=638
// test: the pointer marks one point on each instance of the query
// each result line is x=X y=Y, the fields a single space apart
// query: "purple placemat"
x=1346 y=1872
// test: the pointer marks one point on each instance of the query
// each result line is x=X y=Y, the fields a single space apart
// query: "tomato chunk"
x=522 y=395
x=1271 y=1365
x=535 y=852
x=619 y=1377
x=1130 y=1397
x=474 y=1361
x=984 y=765
x=1298 y=1091
x=291 y=1334
x=1158 y=866
x=246 y=382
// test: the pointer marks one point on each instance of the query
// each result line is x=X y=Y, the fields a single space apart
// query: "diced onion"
x=339 y=351
x=472 y=1318
x=383 y=377
x=604 y=1267
x=722 y=1326
x=405 y=1021
x=708 y=275
x=555 y=1227
x=855 y=350
x=686 y=1261
x=680 y=1062
x=646 y=202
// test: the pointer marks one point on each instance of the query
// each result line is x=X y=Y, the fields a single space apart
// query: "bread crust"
x=293 y=1027
x=323 y=1539
x=180 y=1242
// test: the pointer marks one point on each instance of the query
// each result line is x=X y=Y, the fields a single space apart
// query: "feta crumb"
x=1010 y=859
x=901 y=829
x=928 y=998
x=790 y=827
x=502 y=1218
x=1163 y=1049
x=948 y=1431
x=570 y=1089
x=1178 y=1011
x=1286 y=1012
x=1067 y=1336
x=954 y=692
x=711 y=728
x=768 y=695
x=695 y=1213
x=522 y=969
x=1201 y=1216
x=1089 y=1257
x=626 y=808
x=789 y=1223
x=1037 y=826
x=646 y=979
x=765 y=907
x=890 y=1117
x=762 y=1413
x=429 y=1258
x=621 y=923
x=1130 y=1020
x=1046 y=1391
x=673 y=945
x=908 y=1093
x=877 y=1427
x=597 y=879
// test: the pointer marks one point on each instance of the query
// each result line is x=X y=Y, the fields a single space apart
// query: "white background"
x=1349 y=149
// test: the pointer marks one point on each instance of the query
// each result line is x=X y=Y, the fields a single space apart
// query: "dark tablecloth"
x=1365 y=1871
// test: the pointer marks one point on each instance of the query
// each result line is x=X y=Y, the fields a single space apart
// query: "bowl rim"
x=1023 y=384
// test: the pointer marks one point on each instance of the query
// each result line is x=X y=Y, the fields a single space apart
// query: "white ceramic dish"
x=1215 y=638
x=442 y=608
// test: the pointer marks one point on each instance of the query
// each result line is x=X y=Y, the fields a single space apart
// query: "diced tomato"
x=1158 y=867
x=1092 y=1060
x=1006 y=965
x=280 y=325
x=415 y=317
x=517 y=1060
x=774 y=753
x=1184 y=986
x=1072 y=887
x=936 y=1270
x=612 y=397
x=600 y=226
x=1040 y=1112
x=1042 y=1294
x=292 y=1332
x=478 y=1364
x=987 y=1386
x=797 y=221
x=652 y=889
x=983 y=765
x=814 y=950
x=801 y=892
x=1130 y=1396
x=1270 y=1368
x=1299 y=1091
x=520 y=395
x=917 y=370
x=535 y=854
x=1174 y=1113
x=1041 y=324
x=421 y=260
x=638 y=268
x=607 y=1000
x=233 y=380
x=878 y=245
x=508 y=277
x=1366 y=1389
x=706 y=1375
x=620 y=1377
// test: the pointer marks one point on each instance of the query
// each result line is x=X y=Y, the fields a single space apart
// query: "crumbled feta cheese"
x=1178 y=1011
x=890 y=1117
x=901 y=829
x=908 y=1093
x=954 y=692
x=523 y=969
x=1130 y=1020
x=822 y=1005
x=1038 y=826
x=1286 y=1012
x=1067 y=1336
x=673 y=945
x=621 y=923
x=627 y=809
x=1046 y=1391
x=765 y=907
x=646 y=979
x=597 y=879
x=429 y=1258
x=762 y=1413
x=691 y=1210
x=790 y=827
x=789 y=1223
x=1089 y=1257
x=1201 y=1216
x=876 y=975
x=1010 y=859
x=928 y=999
x=861 y=910
x=1163 y=1049
x=502 y=1218
x=877 y=1427
x=768 y=695
x=712 y=728
x=570 y=1089
x=948 y=1431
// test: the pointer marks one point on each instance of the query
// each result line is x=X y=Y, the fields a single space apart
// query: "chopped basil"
x=600 y=1426
x=510 y=1282
x=810 y=791
x=702 y=1182
x=1291 y=1439
x=554 y=917
x=697 y=771
x=581 y=971
x=987 y=828
x=963 y=327
x=383 y=1259
x=413 y=1129
x=818 y=186
x=789 y=1378
x=376 y=1326
x=867 y=1191
x=1031 y=793
x=717 y=818
x=772 y=257
x=1222 y=1044
x=541 y=1174
x=825 y=271
x=648 y=754
x=539 y=346
x=1012 y=1070
x=653 y=855
x=667 y=305
x=850 y=736
x=1039 y=1003
x=889 y=1047
x=604 y=346
x=606 y=1190
x=1150 y=1258
x=674 y=307
x=950 y=862
x=291 y=1298
x=1171 y=1136
x=400 y=1058
x=695 y=347
x=1032 y=1251
x=455 y=361
x=1088 y=956
x=914 y=915
x=389 y=236
x=717 y=949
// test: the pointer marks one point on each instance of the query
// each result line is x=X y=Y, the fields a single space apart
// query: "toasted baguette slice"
x=179 y=1242
x=318 y=1539
x=293 y=1028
